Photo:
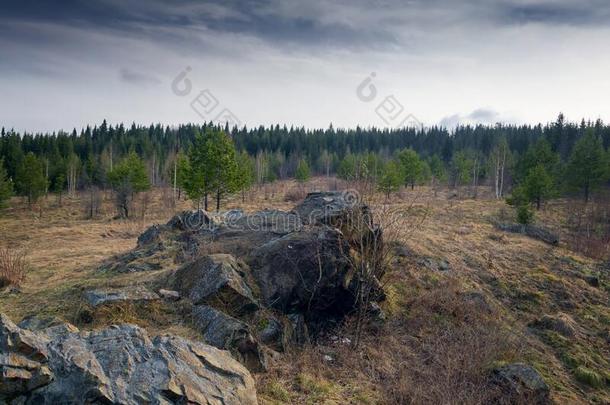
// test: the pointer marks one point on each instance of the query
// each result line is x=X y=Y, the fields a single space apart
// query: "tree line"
x=209 y=161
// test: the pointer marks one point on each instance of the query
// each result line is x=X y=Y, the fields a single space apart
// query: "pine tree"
x=31 y=180
x=302 y=173
x=540 y=153
x=348 y=168
x=245 y=173
x=213 y=166
x=412 y=166
x=6 y=186
x=58 y=185
x=128 y=178
x=587 y=167
x=538 y=185
x=462 y=167
x=437 y=172
x=391 y=179
x=183 y=169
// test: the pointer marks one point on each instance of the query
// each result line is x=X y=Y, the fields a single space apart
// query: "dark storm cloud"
x=173 y=22
x=351 y=24
x=570 y=13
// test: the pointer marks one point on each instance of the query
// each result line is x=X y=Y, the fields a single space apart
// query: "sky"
x=385 y=63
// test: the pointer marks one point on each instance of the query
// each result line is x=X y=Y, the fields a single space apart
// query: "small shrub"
x=525 y=215
x=13 y=267
x=589 y=377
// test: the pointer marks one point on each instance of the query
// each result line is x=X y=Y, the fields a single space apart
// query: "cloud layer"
x=69 y=63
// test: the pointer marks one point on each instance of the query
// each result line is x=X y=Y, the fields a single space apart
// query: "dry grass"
x=438 y=343
x=13 y=267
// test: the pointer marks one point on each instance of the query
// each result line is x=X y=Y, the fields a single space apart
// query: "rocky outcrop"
x=119 y=364
x=268 y=278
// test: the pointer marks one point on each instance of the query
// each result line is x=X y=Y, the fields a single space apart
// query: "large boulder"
x=305 y=272
x=219 y=280
x=280 y=277
x=330 y=207
x=225 y=332
x=23 y=356
x=119 y=364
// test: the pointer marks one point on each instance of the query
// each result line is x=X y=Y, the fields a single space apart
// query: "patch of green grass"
x=276 y=391
x=554 y=339
x=315 y=388
x=588 y=377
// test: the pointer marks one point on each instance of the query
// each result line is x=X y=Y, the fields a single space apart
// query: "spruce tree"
x=213 y=166
x=412 y=166
x=31 y=180
x=6 y=186
x=245 y=173
x=391 y=179
x=302 y=173
x=128 y=178
x=587 y=167
x=538 y=186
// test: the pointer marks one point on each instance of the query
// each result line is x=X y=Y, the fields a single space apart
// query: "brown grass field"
x=445 y=329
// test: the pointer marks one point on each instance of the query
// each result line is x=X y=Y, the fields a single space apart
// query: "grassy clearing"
x=445 y=330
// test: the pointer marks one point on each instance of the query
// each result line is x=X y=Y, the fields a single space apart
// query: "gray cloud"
x=138 y=78
x=300 y=61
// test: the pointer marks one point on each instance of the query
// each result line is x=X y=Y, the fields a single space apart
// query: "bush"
x=525 y=215
x=13 y=266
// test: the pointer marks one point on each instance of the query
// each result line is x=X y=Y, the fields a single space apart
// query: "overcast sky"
x=67 y=63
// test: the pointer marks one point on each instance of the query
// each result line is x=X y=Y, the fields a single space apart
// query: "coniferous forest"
x=58 y=162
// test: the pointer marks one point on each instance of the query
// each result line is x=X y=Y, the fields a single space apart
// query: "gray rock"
x=329 y=207
x=520 y=383
x=151 y=235
x=299 y=329
x=13 y=339
x=23 y=358
x=194 y=221
x=225 y=332
x=113 y=295
x=119 y=364
x=51 y=327
x=170 y=295
x=304 y=271
x=274 y=334
x=275 y=221
x=217 y=279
